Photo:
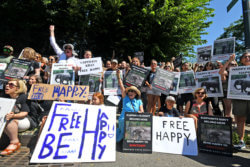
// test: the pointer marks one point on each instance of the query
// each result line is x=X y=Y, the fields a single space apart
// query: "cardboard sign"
x=178 y=61
x=204 y=54
x=58 y=92
x=187 y=82
x=162 y=81
x=174 y=89
x=138 y=133
x=90 y=66
x=136 y=76
x=62 y=74
x=93 y=81
x=110 y=83
x=77 y=133
x=211 y=82
x=239 y=83
x=215 y=135
x=6 y=106
x=223 y=48
x=17 y=69
x=174 y=135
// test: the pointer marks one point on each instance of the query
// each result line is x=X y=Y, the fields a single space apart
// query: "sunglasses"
x=245 y=57
x=6 y=50
x=51 y=59
x=11 y=85
x=200 y=93
x=233 y=64
x=68 y=48
x=131 y=91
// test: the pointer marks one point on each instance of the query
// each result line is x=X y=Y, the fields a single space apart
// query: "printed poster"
x=204 y=54
x=223 y=49
x=187 y=82
x=136 y=77
x=110 y=83
x=174 y=89
x=17 y=69
x=62 y=74
x=93 y=81
x=178 y=61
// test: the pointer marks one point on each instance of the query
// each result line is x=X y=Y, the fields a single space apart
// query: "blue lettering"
x=102 y=136
x=74 y=93
x=62 y=91
x=73 y=119
x=83 y=90
x=56 y=90
x=102 y=150
x=61 y=146
x=62 y=123
x=47 y=145
x=69 y=90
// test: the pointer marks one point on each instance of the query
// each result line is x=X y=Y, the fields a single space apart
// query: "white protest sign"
x=90 y=66
x=223 y=48
x=6 y=106
x=114 y=99
x=77 y=133
x=174 y=135
x=110 y=83
x=62 y=74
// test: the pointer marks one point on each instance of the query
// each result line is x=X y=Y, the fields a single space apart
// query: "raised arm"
x=123 y=91
x=52 y=39
x=223 y=69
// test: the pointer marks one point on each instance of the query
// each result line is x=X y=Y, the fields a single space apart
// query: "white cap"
x=170 y=98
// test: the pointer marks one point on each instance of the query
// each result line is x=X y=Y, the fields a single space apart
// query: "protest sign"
x=2 y=80
x=114 y=99
x=17 y=69
x=139 y=55
x=110 y=83
x=58 y=92
x=62 y=74
x=138 y=133
x=175 y=85
x=162 y=81
x=187 y=82
x=239 y=83
x=93 y=81
x=223 y=48
x=211 y=82
x=90 y=66
x=6 y=106
x=178 y=61
x=215 y=135
x=136 y=76
x=204 y=54
x=77 y=133
x=174 y=135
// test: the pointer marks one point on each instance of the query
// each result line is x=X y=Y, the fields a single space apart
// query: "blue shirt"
x=127 y=106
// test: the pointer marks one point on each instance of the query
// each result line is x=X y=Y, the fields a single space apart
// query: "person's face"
x=170 y=104
x=37 y=58
x=153 y=64
x=200 y=94
x=51 y=60
x=123 y=65
x=245 y=60
x=201 y=68
x=167 y=67
x=219 y=65
x=114 y=65
x=136 y=62
x=68 y=51
x=209 y=66
x=32 y=80
x=131 y=94
x=6 y=51
x=87 y=55
x=185 y=67
x=232 y=64
x=11 y=87
x=96 y=100
x=108 y=64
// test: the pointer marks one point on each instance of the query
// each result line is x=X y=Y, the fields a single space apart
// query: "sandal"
x=10 y=151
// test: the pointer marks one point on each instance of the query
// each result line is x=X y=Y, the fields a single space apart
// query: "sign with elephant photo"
x=239 y=83
x=17 y=69
x=223 y=48
x=62 y=74
x=215 y=135
x=58 y=92
x=110 y=83
x=187 y=82
x=175 y=84
x=204 y=54
x=93 y=81
x=211 y=82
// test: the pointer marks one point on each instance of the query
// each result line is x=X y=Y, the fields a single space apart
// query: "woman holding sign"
x=131 y=103
x=16 y=120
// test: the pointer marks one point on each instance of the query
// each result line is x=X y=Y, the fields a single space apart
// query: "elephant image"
x=64 y=78
x=205 y=57
x=242 y=85
x=211 y=86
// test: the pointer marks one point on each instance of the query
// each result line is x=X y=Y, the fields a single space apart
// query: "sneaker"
x=240 y=146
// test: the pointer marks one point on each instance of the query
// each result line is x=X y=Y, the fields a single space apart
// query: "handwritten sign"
x=6 y=106
x=77 y=133
x=58 y=92
x=215 y=135
x=90 y=66
x=174 y=135
x=62 y=74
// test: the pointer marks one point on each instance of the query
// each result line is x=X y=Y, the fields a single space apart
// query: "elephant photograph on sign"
x=136 y=130
x=242 y=85
x=215 y=135
x=64 y=78
x=211 y=86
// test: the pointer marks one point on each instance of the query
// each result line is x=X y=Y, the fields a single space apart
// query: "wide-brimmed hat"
x=134 y=89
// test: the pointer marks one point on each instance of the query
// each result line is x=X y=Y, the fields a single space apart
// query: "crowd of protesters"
x=29 y=114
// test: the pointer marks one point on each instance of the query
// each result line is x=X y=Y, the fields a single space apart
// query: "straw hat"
x=134 y=89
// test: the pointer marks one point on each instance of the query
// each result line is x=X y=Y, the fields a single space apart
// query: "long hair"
x=99 y=96
x=21 y=85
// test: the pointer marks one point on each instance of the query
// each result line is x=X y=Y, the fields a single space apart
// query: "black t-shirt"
x=21 y=105
x=34 y=65
x=151 y=77
x=169 y=113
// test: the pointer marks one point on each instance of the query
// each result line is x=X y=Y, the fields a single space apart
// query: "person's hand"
x=196 y=65
x=172 y=59
x=52 y=28
x=150 y=86
x=9 y=116
x=140 y=111
x=232 y=58
x=118 y=73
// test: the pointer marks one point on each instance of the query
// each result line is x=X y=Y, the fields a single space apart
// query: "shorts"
x=23 y=124
x=241 y=107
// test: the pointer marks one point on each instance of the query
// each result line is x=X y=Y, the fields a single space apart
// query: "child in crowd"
x=168 y=109
x=98 y=98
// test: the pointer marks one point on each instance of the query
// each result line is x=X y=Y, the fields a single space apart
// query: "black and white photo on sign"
x=239 y=83
x=178 y=61
x=187 y=82
x=110 y=83
x=17 y=68
x=211 y=82
x=91 y=80
x=62 y=74
x=223 y=48
x=90 y=66
x=204 y=54
x=175 y=84
x=162 y=81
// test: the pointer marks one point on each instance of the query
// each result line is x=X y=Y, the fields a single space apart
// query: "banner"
x=178 y=61
x=91 y=80
x=6 y=106
x=204 y=54
x=162 y=81
x=110 y=83
x=174 y=135
x=138 y=133
x=17 y=69
x=136 y=76
x=239 y=83
x=211 y=82
x=223 y=48
x=215 y=135
x=90 y=66
x=77 y=133
x=187 y=82
x=58 y=92
x=174 y=89
x=62 y=74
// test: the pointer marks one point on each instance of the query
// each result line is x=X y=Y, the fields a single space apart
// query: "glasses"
x=131 y=91
x=245 y=57
x=51 y=59
x=11 y=85
x=200 y=93
x=68 y=48
x=6 y=50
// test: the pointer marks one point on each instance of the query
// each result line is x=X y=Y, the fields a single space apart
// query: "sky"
x=221 y=20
